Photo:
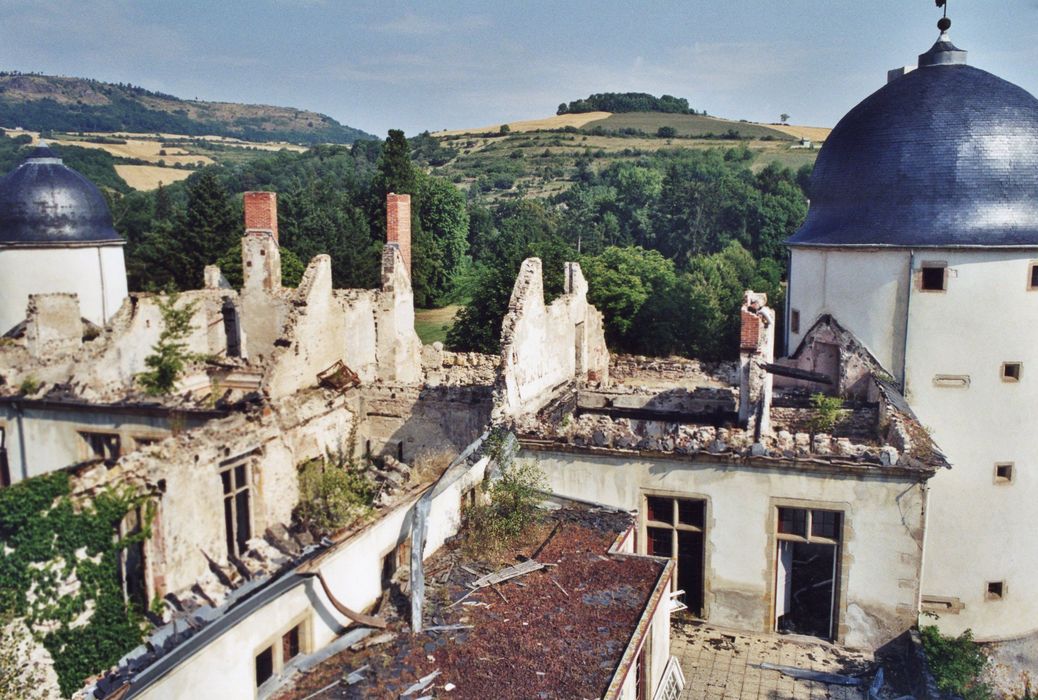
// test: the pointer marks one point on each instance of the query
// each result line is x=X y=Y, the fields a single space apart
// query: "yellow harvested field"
x=813 y=133
x=557 y=122
x=148 y=177
x=141 y=149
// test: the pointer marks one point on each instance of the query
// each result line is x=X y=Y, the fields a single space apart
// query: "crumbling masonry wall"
x=544 y=347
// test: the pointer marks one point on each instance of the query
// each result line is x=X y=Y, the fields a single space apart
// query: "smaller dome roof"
x=43 y=202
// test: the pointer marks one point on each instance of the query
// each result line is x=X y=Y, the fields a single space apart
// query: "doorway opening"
x=676 y=528
x=807 y=571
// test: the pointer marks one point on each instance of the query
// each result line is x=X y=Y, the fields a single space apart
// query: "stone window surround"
x=932 y=264
x=643 y=544
x=843 y=557
x=304 y=622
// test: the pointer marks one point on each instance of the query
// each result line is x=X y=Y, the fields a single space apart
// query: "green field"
x=432 y=324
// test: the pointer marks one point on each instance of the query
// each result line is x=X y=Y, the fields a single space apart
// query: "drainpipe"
x=908 y=308
x=922 y=550
x=21 y=441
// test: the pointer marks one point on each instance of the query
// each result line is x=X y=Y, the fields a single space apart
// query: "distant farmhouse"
x=738 y=491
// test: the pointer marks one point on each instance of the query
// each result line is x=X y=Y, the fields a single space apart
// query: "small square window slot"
x=794 y=321
x=933 y=277
x=1032 y=276
x=996 y=590
x=1011 y=371
x=1003 y=473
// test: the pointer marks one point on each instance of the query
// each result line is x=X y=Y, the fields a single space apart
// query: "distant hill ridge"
x=58 y=103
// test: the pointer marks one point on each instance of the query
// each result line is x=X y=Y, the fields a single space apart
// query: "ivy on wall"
x=59 y=569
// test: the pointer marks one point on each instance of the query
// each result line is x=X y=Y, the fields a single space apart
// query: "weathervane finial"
x=943 y=23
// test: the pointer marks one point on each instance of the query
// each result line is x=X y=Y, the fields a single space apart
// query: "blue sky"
x=435 y=65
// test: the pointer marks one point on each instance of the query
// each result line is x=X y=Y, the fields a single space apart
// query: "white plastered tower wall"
x=96 y=274
x=979 y=529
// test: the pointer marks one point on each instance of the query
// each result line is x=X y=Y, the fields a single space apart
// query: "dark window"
x=1003 y=473
x=1033 y=277
x=102 y=445
x=996 y=590
x=131 y=561
x=290 y=644
x=675 y=529
x=691 y=512
x=660 y=510
x=825 y=523
x=933 y=278
x=659 y=540
x=793 y=521
x=237 y=523
x=5 y=466
x=794 y=321
x=1011 y=371
x=264 y=665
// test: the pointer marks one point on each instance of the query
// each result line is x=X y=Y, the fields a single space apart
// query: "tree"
x=209 y=229
x=666 y=132
x=170 y=354
x=505 y=129
x=440 y=241
x=783 y=117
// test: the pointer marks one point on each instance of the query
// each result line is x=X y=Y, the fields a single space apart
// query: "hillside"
x=545 y=157
x=55 y=103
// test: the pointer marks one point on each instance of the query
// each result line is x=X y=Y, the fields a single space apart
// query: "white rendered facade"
x=96 y=273
x=950 y=354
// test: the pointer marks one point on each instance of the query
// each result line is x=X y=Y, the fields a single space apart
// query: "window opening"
x=934 y=278
x=1032 y=276
x=1011 y=371
x=1003 y=473
x=794 y=321
x=996 y=590
x=806 y=570
x=131 y=561
x=5 y=465
x=675 y=528
x=290 y=647
x=264 y=665
x=104 y=446
x=236 y=504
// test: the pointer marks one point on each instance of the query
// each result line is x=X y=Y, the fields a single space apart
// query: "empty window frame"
x=236 y=506
x=933 y=277
x=1012 y=371
x=675 y=528
x=101 y=445
x=996 y=590
x=794 y=321
x=1004 y=473
x=807 y=570
x=1032 y=276
x=277 y=653
x=132 y=575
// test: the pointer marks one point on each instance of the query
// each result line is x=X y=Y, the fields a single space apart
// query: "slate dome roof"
x=43 y=202
x=944 y=156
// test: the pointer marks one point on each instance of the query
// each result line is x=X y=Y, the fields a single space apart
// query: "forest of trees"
x=668 y=241
x=627 y=102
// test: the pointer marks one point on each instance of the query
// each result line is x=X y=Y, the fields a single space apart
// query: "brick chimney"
x=261 y=213
x=398 y=225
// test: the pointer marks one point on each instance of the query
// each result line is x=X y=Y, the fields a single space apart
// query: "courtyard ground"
x=721 y=665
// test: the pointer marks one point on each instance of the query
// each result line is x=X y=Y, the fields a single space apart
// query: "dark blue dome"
x=44 y=202
x=946 y=155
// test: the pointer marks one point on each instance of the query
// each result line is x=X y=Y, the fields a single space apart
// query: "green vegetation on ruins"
x=60 y=564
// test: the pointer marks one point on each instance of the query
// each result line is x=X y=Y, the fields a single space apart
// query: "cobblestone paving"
x=722 y=665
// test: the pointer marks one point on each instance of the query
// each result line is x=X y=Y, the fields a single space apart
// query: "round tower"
x=922 y=239
x=56 y=235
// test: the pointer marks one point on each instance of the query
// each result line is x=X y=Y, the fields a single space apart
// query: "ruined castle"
x=735 y=498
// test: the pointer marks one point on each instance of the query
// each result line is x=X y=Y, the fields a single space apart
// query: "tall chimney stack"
x=398 y=225
x=261 y=213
